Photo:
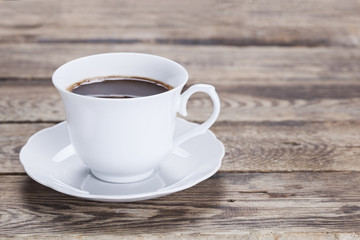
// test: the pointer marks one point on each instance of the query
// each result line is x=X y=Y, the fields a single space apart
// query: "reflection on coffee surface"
x=119 y=87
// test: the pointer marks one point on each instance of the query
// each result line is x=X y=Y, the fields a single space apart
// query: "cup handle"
x=202 y=128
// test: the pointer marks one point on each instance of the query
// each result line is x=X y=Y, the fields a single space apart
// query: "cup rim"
x=61 y=89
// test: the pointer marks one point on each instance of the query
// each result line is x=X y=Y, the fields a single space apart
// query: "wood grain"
x=13 y=137
x=250 y=146
x=288 y=76
x=205 y=63
x=243 y=101
x=228 y=203
x=290 y=146
x=254 y=84
x=207 y=22
x=189 y=236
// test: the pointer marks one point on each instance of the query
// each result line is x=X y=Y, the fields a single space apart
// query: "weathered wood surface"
x=239 y=23
x=241 y=101
x=288 y=76
x=254 y=84
x=225 y=204
x=250 y=146
x=205 y=63
x=213 y=236
x=303 y=117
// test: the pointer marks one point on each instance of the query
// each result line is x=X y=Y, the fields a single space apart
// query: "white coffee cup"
x=125 y=140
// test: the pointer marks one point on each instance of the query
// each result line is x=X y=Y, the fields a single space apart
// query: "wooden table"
x=288 y=75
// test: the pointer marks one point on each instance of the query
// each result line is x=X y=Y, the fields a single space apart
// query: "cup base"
x=122 y=178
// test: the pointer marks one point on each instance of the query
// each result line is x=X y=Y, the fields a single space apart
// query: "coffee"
x=119 y=87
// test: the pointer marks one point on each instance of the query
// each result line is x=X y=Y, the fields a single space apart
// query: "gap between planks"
x=252 y=42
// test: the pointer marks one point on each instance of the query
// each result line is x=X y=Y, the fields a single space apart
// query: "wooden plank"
x=254 y=84
x=261 y=147
x=290 y=146
x=13 y=137
x=241 y=23
x=228 y=203
x=214 y=236
x=205 y=63
x=241 y=101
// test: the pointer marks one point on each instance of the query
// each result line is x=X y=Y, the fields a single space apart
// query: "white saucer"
x=72 y=177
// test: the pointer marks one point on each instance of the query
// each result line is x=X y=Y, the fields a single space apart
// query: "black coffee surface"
x=119 y=87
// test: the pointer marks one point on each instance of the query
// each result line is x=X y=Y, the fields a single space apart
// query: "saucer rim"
x=120 y=198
